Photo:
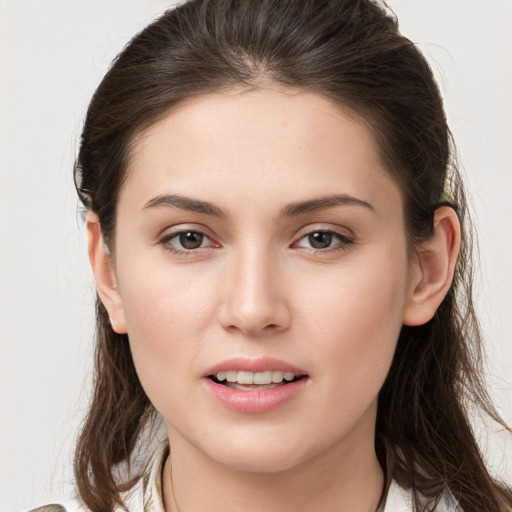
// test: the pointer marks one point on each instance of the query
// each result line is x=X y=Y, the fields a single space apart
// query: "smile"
x=253 y=380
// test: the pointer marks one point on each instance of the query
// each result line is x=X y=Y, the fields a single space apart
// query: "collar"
x=149 y=488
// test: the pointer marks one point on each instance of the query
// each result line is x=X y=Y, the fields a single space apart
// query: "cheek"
x=353 y=320
x=162 y=298
x=363 y=294
x=168 y=312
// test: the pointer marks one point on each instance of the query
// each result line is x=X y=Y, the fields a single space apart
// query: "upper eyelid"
x=172 y=231
x=341 y=231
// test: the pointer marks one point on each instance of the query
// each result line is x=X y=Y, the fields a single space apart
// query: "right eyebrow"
x=185 y=203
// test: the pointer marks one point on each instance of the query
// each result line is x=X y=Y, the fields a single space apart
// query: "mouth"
x=259 y=385
x=245 y=380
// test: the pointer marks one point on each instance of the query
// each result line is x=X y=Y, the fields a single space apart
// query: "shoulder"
x=62 y=506
x=400 y=500
x=133 y=499
x=144 y=495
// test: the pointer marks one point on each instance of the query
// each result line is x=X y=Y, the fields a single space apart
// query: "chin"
x=263 y=455
x=265 y=462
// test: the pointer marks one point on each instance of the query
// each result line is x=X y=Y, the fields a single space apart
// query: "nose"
x=254 y=298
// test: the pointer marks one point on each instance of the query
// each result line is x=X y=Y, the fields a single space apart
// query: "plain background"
x=53 y=54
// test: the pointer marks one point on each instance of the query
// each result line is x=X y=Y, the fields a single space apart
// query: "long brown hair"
x=351 y=52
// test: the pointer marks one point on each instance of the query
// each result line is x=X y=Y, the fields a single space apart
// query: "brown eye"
x=186 y=241
x=320 y=239
x=191 y=239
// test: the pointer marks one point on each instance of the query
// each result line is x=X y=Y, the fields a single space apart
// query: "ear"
x=104 y=275
x=434 y=267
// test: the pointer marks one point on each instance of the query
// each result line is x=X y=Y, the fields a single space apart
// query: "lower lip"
x=255 y=400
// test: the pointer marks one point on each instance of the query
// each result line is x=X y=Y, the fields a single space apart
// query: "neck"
x=346 y=477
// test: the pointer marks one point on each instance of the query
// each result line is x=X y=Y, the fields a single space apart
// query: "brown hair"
x=351 y=52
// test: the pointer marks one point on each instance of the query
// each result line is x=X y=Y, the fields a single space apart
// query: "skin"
x=257 y=288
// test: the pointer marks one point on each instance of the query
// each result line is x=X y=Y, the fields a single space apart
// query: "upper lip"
x=260 y=364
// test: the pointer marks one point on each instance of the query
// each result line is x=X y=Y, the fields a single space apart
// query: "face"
x=260 y=240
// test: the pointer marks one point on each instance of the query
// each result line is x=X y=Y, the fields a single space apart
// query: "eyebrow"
x=292 y=210
x=185 y=203
x=322 y=203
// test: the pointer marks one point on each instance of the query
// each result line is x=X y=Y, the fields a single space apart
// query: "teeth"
x=277 y=376
x=262 y=378
x=267 y=377
x=231 y=376
x=245 y=378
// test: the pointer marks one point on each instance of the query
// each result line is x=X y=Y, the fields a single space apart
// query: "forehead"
x=249 y=144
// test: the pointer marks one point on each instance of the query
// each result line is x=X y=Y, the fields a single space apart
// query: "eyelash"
x=344 y=242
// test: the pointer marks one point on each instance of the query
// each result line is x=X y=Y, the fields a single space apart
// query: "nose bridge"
x=254 y=299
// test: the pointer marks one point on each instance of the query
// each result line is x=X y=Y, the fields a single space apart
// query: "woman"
x=277 y=231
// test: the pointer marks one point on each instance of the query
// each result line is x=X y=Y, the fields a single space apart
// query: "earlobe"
x=104 y=275
x=434 y=268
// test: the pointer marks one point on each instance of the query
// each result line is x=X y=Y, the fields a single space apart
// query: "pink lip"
x=262 y=364
x=254 y=400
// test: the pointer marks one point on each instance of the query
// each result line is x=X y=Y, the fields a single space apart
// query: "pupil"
x=320 y=239
x=191 y=240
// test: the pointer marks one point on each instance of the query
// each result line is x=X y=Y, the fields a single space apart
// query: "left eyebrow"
x=322 y=203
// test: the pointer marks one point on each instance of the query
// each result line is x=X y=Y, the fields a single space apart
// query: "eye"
x=186 y=241
x=322 y=239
